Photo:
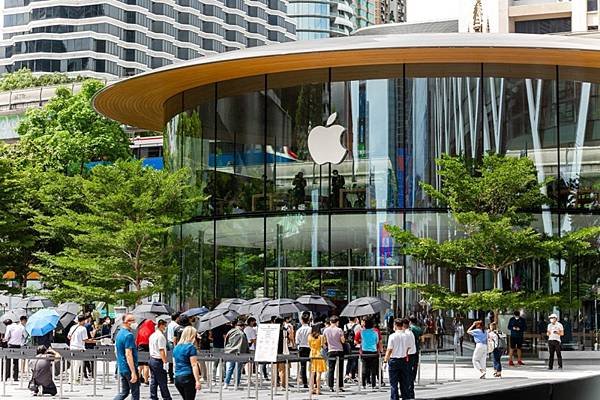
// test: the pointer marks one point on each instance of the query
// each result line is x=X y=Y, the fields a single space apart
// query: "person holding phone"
x=554 y=331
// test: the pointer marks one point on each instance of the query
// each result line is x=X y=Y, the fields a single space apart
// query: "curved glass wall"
x=278 y=224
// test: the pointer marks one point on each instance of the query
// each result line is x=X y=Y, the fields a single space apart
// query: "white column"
x=579 y=15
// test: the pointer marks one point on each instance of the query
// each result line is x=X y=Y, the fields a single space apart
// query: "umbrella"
x=14 y=315
x=42 y=322
x=215 y=319
x=164 y=317
x=316 y=303
x=364 y=306
x=70 y=307
x=193 y=312
x=34 y=302
x=230 y=304
x=252 y=306
x=280 y=308
x=65 y=318
x=154 y=308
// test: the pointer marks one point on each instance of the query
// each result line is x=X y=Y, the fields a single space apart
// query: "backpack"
x=501 y=341
x=349 y=334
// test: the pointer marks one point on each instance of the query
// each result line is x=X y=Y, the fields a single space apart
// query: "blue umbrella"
x=42 y=322
x=192 y=312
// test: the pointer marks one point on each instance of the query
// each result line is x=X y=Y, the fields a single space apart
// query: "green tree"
x=67 y=133
x=491 y=205
x=120 y=245
x=17 y=237
x=24 y=78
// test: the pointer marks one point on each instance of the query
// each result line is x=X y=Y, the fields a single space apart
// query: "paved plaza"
x=467 y=382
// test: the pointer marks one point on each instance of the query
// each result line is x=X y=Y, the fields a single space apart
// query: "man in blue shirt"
x=517 y=328
x=127 y=360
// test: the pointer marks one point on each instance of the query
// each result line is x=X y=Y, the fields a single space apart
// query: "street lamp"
x=596 y=292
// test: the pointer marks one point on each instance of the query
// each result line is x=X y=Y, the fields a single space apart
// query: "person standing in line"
x=217 y=337
x=235 y=343
x=317 y=363
x=370 y=346
x=554 y=331
x=173 y=325
x=440 y=331
x=397 y=358
x=15 y=337
x=459 y=334
x=127 y=359
x=350 y=330
x=187 y=372
x=334 y=342
x=91 y=331
x=157 y=362
x=496 y=350
x=517 y=327
x=411 y=344
x=414 y=358
x=142 y=341
x=481 y=347
x=302 y=336
x=78 y=338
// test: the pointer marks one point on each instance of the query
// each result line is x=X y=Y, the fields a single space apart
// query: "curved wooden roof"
x=140 y=101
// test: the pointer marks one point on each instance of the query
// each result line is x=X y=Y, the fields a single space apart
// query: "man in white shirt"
x=157 y=362
x=555 y=330
x=302 y=345
x=15 y=338
x=78 y=337
x=396 y=356
x=251 y=334
x=173 y=325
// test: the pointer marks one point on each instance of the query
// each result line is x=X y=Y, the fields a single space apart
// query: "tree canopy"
x=67 y=133
x=121 y=237
x=24 y=78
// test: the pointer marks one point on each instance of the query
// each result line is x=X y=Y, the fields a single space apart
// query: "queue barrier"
x=106 y=354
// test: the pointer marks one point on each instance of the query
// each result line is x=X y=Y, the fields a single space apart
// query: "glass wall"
x=304 y=169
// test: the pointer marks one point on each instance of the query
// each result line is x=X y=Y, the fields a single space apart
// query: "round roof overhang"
x=141 y=101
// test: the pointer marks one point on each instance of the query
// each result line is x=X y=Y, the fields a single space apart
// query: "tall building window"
x=592 y=5
x=541 y=26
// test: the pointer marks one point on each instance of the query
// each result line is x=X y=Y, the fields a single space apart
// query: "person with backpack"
x=496 y=348
x=350 y=330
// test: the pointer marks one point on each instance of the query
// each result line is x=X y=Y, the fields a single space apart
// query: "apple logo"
x=324 y=142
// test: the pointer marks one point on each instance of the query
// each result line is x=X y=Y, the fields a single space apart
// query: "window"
x=129 y=55
x=130 y=17
x=551 y=25
x=100 y=46
x=592 y=5
x=130 y=36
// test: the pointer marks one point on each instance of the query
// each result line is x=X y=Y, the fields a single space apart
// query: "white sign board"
x=267 y=340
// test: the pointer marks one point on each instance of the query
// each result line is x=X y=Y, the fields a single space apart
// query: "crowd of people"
x=329 y=350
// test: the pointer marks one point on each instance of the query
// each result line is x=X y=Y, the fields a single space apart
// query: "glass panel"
x=294 y=181
x=240 y=257
x=579 y=144
x=197 y=272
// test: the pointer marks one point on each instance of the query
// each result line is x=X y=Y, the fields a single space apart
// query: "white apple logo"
x=324 y=142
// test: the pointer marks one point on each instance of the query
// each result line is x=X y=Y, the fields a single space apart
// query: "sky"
x=428 y=10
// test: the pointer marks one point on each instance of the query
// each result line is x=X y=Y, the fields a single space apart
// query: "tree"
x=67 y=133
x=491 y=204
x=121 y=239
x=24 y=78
x=17 y=238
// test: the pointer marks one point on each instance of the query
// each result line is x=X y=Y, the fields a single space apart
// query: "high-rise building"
x=574 y=17
x=126 y=37
x=322 y=18
x=364 y=13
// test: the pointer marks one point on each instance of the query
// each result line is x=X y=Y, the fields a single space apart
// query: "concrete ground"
x=467 y=382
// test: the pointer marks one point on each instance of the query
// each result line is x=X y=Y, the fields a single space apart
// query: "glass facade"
x=279 y=224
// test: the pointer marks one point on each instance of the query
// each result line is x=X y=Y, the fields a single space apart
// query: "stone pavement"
x=467 y=382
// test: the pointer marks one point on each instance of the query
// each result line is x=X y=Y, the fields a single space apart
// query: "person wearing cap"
x=554 y=331
x=235 y=343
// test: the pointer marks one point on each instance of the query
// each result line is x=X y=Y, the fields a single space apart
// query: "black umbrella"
x=364 y=306
x=253 y=306
x=316 y=303
x=193 y=312
x=215 y=319
x=35 y=302
x=230 y=304
x=151 y=310
x=70 y=307
x=14 y=315
x=280 y=308
x=65 y=318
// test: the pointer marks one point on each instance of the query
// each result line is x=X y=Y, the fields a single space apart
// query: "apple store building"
x=307 y=150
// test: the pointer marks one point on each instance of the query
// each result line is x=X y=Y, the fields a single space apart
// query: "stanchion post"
x=273 y=381
x=222 y=379
x=94 y=366
x=249 y=374
x=454 y=365
x=337 y=375
x=257 y=380
x=436 y=366
x=236 y=370
x=4 y=370
x=209 y=372
x=287 y=379
x=419 y=368
x=380 y=370
x=311 y=379
x=360 y=372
